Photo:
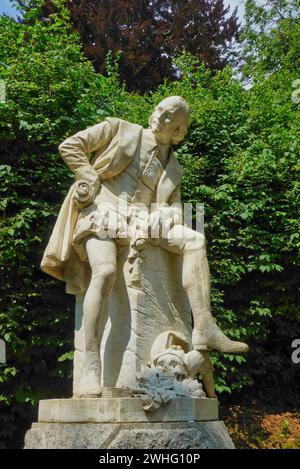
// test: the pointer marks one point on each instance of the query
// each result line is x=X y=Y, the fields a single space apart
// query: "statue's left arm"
x=76 y=149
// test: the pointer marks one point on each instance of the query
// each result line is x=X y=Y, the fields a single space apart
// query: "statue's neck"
x=164 y=151
x=164 y=148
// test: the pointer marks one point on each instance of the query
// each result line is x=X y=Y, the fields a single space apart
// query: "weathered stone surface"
x=115 y=410
x=184 y=435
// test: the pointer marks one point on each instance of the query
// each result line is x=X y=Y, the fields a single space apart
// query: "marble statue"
x=121 y=172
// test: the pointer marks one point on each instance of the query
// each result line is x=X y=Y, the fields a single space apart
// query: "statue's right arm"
x=75 y=150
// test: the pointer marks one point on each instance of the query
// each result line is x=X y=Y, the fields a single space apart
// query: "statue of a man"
x=110 y=160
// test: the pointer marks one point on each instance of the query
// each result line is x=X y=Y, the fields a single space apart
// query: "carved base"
x=108 y=410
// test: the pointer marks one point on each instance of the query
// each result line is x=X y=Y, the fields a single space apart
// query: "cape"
x=60 y=260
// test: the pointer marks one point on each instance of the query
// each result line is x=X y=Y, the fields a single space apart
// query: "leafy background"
x=241 y=158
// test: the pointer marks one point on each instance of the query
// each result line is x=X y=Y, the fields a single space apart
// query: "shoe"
x=213 y=338
x=89 y=384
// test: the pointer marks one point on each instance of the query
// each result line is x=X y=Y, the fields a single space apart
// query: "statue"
x=119 y=167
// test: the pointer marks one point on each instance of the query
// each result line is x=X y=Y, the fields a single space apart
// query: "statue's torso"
x=140 y=178
x=136 y=184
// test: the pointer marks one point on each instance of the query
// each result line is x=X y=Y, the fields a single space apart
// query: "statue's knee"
x=103 y=277
x=196 y=242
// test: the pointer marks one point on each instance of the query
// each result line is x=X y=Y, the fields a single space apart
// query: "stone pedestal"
x=111 y=423
x=128 y=409
x=167 y=435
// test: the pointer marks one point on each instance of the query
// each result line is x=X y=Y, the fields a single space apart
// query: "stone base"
x=168 y=435
x=125 y=410
x=122 y=423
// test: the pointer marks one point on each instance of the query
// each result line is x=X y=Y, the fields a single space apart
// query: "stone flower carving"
x=157 y=387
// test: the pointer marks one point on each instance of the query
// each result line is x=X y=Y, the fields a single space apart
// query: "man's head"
x=170 y=120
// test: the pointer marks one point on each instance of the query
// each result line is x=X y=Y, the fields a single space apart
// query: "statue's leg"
x=196 y=282
x=102 y=256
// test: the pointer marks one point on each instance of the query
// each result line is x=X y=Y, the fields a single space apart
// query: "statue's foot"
x=213 y=338
x=89 y=385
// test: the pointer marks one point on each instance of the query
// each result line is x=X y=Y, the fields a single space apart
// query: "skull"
x=172 y=364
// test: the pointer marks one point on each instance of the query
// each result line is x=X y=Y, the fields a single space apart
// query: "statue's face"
x=168 y=122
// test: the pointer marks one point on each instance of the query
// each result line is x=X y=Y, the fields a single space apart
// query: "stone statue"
x=120 y=167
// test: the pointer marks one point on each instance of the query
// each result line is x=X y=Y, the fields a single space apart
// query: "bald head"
x=176 y=103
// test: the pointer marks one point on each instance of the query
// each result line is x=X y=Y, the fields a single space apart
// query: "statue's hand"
x=170 y=215
x=85 y=192
x=154 y=224
x=82 y=191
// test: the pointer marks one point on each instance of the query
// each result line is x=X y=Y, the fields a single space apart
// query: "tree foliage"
x=241 y=158
x=149 y=34
x=271 y=38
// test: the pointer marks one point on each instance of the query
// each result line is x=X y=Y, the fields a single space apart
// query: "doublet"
x=121 y=199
